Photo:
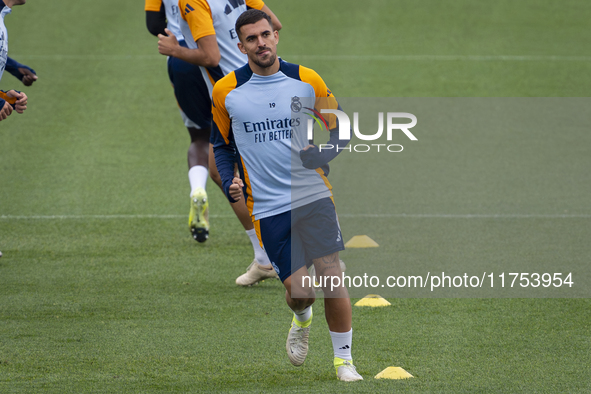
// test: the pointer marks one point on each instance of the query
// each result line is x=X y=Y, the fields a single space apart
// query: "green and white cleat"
x=346 y=370
x=199 y=215
x=256 y=273
x=297 y=341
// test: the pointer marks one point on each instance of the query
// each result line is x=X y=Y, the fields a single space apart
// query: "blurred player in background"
x=24 y=73
x=12 y=99
x=214 y=47
x=286 y=191
x=194 y=104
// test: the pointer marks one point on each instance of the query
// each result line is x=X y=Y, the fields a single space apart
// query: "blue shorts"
x=294 y=238
x=190 y=91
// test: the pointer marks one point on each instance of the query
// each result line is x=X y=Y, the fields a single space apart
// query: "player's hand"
x=311 y=157
x=21 y=100
x=167 y=45
x=5 y=111
x=236 y=189
x=28 y=76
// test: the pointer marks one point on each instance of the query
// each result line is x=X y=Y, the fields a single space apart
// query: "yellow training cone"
x=393 y=373
x=372 y=300
x=361 y=241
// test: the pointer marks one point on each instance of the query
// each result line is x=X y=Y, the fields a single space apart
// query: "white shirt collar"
x=6 y=10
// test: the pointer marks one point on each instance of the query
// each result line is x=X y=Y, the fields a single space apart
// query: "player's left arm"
x=197 y=14
x=260 y=5
x=206 y=55
x=274 y=20
x=313 y=156
x=24 y=73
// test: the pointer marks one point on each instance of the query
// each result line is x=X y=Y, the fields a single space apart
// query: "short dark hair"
x=251 y=16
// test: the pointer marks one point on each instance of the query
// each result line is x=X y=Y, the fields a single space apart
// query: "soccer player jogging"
x=285 y=190
x=214 y=48
x=12 y=99
x=194 y=102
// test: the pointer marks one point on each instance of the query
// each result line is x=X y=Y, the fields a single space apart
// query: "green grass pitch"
x=103 y=290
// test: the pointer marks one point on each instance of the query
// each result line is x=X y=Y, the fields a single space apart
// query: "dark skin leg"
x=198 y=154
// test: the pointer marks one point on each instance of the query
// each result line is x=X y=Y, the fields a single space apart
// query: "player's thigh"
x=283 y=248
x=317 y=226
x=191 y=93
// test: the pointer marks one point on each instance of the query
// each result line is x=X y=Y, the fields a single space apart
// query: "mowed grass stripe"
x=470 y=58
x=345 y=215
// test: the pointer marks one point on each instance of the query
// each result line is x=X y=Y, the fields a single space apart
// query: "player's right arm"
x=200 y=22
x=15 y=100
x=12 y=100
x=5 y=109
x=155 y=17
x=224 y=147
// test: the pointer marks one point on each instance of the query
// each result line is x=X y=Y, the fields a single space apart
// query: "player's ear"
x=276 y=33
x=241 y=47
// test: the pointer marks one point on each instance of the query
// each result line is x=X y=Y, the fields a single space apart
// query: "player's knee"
x=199 y=135
x=303 y=293
x=299 y=304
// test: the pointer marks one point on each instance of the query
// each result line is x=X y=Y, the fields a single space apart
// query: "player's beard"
x=266 y=63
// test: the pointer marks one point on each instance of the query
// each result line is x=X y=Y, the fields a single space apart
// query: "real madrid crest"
x=296 y=105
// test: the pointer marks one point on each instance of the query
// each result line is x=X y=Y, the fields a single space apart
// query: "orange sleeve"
x=324 y=97
x=257 y=4
x=9 y=100
x=153 y=5
x=197 y=14
x=221 y=117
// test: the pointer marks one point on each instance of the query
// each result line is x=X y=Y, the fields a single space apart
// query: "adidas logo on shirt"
x=232 y=6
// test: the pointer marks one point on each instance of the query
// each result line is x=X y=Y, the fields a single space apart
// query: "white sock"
x=259 y=253
x=304 y=315
x=198 y=177
x=341 y=344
